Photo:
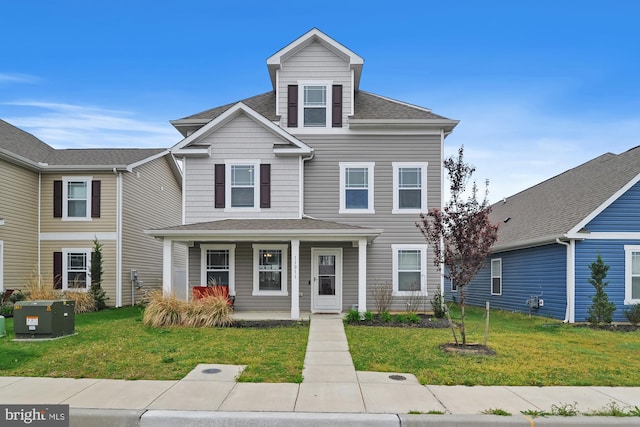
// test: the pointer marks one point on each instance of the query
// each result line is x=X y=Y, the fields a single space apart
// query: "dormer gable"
x=354 y=61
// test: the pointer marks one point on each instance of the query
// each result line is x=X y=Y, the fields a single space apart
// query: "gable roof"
x=561 y=206
x=21 y=147
x=291 y=144
x=275 y=61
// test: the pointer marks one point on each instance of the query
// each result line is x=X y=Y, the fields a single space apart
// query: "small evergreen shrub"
x=633 y=314
x=413 y=318
x=437 y=302
x=400 y=318
x=601 y=311
x=95 y=291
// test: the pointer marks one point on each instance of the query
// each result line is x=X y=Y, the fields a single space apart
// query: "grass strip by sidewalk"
x=114 y=344
x=531 y=351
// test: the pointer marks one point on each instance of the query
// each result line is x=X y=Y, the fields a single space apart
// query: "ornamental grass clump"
x=163 y=311
x=84 y=302
x=38 y=288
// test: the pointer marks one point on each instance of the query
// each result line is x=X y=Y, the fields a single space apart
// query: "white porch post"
x=295 y=279
x=167 y=266
x=362 y=275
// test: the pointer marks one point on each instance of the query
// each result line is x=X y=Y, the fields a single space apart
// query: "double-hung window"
x=76 y=267
x=409 y=269
x=76 y=193
x=632 y=274
x=314 y=104
x=409 y=187
x=218 y=266
x=356 y=188
x=496 y=276
x=270 y=269
x=242 y=184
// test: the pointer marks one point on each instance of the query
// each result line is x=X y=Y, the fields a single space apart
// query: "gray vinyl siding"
x=314 y=62
x=241 y=139
x=151 y=199
x=322 y=195
x=245 y=301
x=19 y=234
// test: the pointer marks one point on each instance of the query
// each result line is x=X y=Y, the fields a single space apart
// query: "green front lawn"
x=114 y=344
x=530 y=351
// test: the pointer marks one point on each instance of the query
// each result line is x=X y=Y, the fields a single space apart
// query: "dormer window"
x=315 y=106
x=319 y=104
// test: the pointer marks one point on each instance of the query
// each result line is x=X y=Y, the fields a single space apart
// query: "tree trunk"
x=463 y=330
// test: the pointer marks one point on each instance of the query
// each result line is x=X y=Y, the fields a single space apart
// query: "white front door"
x=326 y=281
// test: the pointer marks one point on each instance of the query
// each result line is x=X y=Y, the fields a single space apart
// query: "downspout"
x=442 y=136
x=39 y=220
x=570 y=312
x=301 y=192
x=118 y=237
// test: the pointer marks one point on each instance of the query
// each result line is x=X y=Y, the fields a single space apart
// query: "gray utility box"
x=43 y=319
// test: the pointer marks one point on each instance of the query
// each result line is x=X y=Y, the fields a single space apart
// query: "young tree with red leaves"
x=460 y=233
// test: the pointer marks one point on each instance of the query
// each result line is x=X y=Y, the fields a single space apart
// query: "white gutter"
x=571 y=280
x=441 y=204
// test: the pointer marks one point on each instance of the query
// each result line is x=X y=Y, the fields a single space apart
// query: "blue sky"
x=539 y=87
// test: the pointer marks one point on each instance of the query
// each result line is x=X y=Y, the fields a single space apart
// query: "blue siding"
x=525 y=272
x=612 y=253
x=621 y=215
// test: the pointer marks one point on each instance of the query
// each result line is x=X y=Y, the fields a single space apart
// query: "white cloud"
x=18 y=78
x=79 y=126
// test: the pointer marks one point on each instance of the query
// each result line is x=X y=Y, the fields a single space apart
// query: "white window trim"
x=628 y=259
x=65 y=271
x=329 y=92
x=494 y=276
x=232 y=264
x=256 y=273
x=423 y=268
x=396 y=187
x=65 y=200
x=370 y=166
x=256 y=184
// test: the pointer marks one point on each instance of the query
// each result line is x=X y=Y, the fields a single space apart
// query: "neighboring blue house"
x=550 y=233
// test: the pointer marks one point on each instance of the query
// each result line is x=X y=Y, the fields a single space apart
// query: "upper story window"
x=409 y=187
x=243 y=183
x=76 y=198
x=356 y=188
x=315 y=106
x=318 y=104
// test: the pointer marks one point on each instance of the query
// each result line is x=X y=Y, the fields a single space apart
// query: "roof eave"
x=529 y=243
x=445 y=124
x=251 y=235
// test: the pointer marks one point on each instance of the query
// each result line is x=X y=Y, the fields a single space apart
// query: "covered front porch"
x=273 y=265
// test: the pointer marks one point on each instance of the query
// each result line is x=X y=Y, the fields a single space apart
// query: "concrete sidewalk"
x=332 y=392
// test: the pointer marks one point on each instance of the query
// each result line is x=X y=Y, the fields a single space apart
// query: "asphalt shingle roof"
x=555 y=206
x=367 y=106
x=267 y=224
x=23 y=144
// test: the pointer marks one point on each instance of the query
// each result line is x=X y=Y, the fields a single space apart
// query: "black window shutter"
x=265 y=185
x=95 y=199
x=292 y=106
x=57 y=270
x=336 y=106
x=219 y=186
x=57 y=199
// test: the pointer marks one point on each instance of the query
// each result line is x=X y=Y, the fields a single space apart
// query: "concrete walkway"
x=331 y=386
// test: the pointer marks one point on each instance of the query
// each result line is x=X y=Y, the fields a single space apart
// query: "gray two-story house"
x=305 y=197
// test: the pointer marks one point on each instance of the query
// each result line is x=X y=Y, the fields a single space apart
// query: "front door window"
x=327 y=274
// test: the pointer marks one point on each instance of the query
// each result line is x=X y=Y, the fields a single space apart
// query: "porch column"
x=362 y=275
x=167 y=266
x=295 y=279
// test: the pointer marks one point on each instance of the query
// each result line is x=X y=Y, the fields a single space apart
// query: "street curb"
x=82 y=417
x=162 y=418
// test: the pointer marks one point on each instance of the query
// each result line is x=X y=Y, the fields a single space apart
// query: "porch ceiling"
x=266 y=230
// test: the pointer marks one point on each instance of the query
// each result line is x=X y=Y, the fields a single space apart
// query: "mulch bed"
x=426 y=321
x=472 y=349
x=265 y=324
x=610 y=327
